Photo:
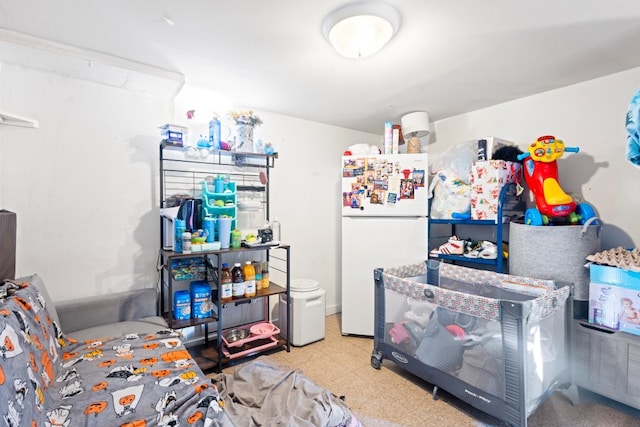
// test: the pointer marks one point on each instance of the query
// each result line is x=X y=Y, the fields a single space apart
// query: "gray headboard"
x=7 y=245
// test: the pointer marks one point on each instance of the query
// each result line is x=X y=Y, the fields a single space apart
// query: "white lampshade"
x=361 y=28
x=415 y=124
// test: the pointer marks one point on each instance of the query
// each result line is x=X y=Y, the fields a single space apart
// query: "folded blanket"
x=264 y=392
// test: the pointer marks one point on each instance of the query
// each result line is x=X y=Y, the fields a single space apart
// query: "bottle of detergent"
x=214 y=132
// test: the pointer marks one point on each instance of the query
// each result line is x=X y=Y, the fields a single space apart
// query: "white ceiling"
x=449 y=56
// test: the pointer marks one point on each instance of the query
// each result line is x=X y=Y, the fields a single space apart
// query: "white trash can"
x=307 y=312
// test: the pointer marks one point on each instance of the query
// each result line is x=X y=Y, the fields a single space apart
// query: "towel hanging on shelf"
x=633 y=130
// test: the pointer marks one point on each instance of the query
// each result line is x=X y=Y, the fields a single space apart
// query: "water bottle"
x=214 y=133
x=210 y=227
x=179 y=228
x=275 y=229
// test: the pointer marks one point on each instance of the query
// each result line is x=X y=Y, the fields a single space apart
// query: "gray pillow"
x=36 y=281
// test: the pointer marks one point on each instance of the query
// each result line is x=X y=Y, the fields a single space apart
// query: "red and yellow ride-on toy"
x=554 y=206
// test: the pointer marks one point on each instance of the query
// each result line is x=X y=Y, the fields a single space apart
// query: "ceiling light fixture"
x=362 y=28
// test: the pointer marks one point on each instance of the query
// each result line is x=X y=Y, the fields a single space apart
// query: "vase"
x=244 y=137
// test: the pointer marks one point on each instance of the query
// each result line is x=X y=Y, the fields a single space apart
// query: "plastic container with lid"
x=226 y=284
x=307 y=312
x=249 y=280
x=276 y=229
x=250 y=215
x=304 y=285
x=237 y=277
x=264 y=266
x=186 y=242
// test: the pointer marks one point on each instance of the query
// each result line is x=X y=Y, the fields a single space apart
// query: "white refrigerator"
x=384 y=224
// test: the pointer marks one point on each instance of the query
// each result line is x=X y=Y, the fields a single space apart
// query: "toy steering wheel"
x=547 y=149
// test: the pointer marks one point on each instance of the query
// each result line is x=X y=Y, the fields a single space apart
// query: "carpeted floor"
x=391 y=397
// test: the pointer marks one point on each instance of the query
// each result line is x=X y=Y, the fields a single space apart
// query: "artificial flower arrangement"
x=245 y=117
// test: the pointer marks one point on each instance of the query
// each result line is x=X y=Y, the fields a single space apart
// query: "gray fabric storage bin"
x=554 y=253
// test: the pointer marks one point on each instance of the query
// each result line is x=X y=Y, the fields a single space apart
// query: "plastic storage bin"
x=307 y=312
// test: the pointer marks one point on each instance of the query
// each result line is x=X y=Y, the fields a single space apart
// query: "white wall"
x=81 y=183
x=590 y=115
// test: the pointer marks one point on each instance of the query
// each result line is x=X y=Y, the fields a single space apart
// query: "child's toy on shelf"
x=554 y=206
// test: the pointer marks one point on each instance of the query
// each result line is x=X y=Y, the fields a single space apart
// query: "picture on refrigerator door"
x=407 y=189
x=356 y=199
x=371 y=163
x=369 y=177
x=374 y=198
x=353 y=167
x=418 y=177
x=378 y=197
x=381 y=184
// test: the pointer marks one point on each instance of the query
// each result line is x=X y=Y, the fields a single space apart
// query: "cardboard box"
x=493 y=143
x=604 y=305
x=487 y=180
x=614 y=298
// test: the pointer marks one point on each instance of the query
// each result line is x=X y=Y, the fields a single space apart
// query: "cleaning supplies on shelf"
x=214 y=132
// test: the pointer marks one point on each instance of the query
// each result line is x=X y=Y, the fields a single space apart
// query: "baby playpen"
x=495 y=341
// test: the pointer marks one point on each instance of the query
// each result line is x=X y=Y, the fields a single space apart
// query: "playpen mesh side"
x=411 y=280
x=515 y=368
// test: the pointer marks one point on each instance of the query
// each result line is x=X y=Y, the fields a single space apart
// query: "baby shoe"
x=482 y=249
x=454 y=246
x=473 y=249
x=489 y=250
